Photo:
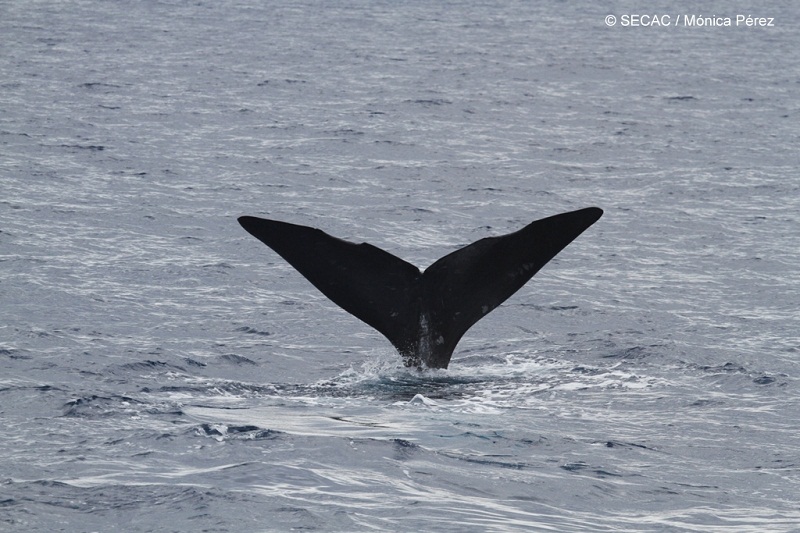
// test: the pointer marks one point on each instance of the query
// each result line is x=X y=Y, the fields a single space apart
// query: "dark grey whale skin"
x=423 y=314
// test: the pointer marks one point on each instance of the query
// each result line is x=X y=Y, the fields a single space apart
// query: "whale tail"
x=423 y=315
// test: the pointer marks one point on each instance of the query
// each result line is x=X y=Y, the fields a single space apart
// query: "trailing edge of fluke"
x=423 y=314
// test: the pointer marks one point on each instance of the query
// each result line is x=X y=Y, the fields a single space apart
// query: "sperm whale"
x=423 y=314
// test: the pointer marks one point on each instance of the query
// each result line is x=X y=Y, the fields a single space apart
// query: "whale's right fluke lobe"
x=464 y=286
x=424 y=315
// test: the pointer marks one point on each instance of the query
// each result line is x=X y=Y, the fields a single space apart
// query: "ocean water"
x=161 y=370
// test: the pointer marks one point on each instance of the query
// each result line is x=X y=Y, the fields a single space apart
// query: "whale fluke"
x=424 y=315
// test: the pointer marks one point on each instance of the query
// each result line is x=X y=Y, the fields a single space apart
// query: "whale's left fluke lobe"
x=382 y=290
x=423 y=315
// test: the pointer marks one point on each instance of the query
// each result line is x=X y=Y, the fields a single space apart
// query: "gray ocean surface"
x=161 y=370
